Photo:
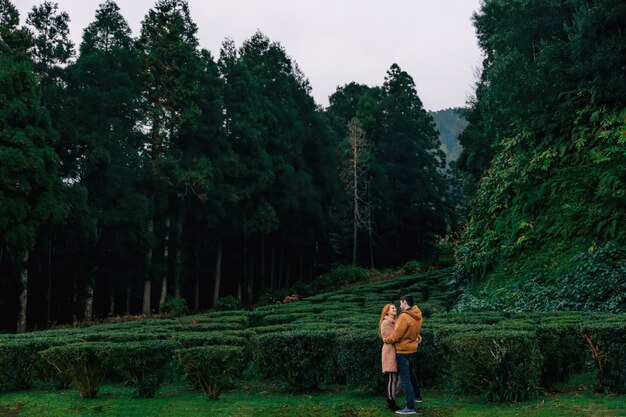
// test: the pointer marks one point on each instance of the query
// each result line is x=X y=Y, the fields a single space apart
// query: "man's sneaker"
x=406 y=410
x=418 y=400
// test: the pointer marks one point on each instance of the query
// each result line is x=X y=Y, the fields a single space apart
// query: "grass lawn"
x=179 y=400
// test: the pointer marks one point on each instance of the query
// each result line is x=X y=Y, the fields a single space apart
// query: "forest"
x=138 y=172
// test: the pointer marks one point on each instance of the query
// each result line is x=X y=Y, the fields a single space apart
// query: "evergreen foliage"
x=550 y=110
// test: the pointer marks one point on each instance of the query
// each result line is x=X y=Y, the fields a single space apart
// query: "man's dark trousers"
x=406 y=371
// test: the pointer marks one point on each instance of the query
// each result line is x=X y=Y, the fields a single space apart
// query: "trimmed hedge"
x=210 y=368
x=300 y=359
x=498 y=365
x=141 y=364
x=17 y=361
x=85 y=364
x=563 y=348
x=358 y=357
x=606 y=344
x=20 y=360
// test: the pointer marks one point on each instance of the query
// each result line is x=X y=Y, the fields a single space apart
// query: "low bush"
x=498 y=365
x=85 y=364
x=141 y=364
x=563 y=349
x=339 y=276
x=273 y=319
x=210 y=368
x=358 y=357
x=274 y=328
x=176 y=306
x=21 y=361
x=195 y=339
x=412 y=267
x=300 y=359
x=227 y=303
x=17 y=362
x=605 y=343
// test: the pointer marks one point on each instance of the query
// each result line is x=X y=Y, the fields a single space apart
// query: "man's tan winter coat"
x=408 y=326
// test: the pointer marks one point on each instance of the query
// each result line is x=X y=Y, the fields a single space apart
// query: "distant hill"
x=450 y=124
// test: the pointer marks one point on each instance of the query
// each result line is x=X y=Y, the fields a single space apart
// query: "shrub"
x=85 y=364
x=227 y=303
x=274 y=328
x=141 y=364
x=176 y=306
x=339 y=276
x=300 y=359
x=563 y=349
x=412 y=267
x=499 y=365
x=195 y=339
x=17 y=361
x=358 y=357
x=20 y=359
x=210 y=368
x=605 y=342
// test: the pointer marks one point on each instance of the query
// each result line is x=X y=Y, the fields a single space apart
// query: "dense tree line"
x=138 y=169
x=546 y=143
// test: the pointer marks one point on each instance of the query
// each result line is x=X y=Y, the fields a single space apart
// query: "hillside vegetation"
x=546 y=146
x=328 y=339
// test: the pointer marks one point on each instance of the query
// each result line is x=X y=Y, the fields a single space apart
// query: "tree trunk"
x=129 y=293
x=21 y=318
x=369 y=228
x=196 y=301
x=273 y=272
x=354 y=225
x=166 y=253
x=250 y=286
x=147 y=284
x=179 y=251
x=281 y=262
x=49 y=290
x=75 y=306
x=218 y=274
x=112 y=302
x=263 y=277
x=355 y=203
x=89 y=304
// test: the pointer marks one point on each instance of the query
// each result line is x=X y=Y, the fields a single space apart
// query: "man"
x=406 y=337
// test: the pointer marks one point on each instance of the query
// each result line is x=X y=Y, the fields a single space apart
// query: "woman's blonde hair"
x=383 y=314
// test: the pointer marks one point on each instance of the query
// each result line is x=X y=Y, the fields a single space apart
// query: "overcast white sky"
x=334 y=42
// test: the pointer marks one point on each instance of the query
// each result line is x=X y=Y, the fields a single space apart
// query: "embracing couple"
x=401 y=337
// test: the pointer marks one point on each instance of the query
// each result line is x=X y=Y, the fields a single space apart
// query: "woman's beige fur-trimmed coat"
x=389 y=350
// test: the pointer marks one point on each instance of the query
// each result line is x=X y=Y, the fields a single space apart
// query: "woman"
x=390 y=367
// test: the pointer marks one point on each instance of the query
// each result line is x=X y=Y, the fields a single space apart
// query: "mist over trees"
x=137 y=170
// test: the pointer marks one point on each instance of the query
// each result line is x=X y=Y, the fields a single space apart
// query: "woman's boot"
x=391 y=403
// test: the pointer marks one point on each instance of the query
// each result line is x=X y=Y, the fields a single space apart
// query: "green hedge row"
x=501 y=356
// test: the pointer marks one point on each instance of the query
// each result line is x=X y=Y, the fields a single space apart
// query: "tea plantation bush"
x=301 y=360
x=141 y=364
x=328 y=339
x=499 y=365
x=358 y=357
x=606 y=342
x=86 y=364
x=563 y=349
x=210 y=368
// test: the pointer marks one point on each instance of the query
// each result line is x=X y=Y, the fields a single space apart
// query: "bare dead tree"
x=355 y=177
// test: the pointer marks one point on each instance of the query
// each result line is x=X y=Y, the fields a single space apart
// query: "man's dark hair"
x=408 y=299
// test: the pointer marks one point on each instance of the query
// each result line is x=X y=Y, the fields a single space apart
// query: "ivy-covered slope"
x=547 y=224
